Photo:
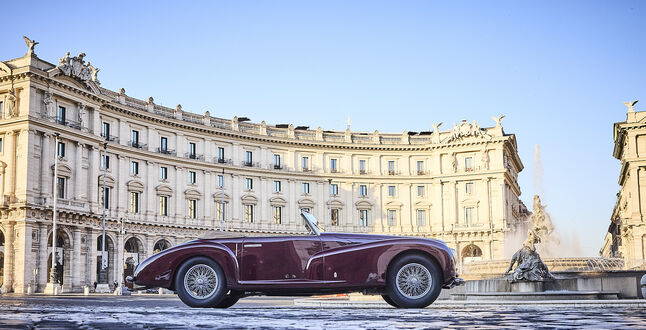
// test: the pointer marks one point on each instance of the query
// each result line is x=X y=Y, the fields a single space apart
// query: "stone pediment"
x=278 y=201
x=363 y=205
x=336 y=203
x=78 y=72
x=193 y=194
x=164 y=190
x=306 y=202
x=217 y=197
x=465 y=129
x=249 y=199
x=136 y=186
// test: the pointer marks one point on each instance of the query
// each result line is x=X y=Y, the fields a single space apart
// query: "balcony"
x=110 y=138
x=334 y=170
x=363 y=172
x=166 y=151
x=469 y=169
x=250 y=164
x=391 y=172
x=221 y=160
x=307 y=169
x=136 y=144
x=276 y=167
x=68 y=123
x=194 y=156
x=421 y=172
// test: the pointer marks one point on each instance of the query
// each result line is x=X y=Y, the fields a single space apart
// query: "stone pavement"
x=163 y=312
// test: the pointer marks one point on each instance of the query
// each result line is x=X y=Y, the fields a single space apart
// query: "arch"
x=63 y=170
x=109 y=181
x=277 y=201
x=63 y=239
x=249 y=199
x=193 y=194
x=471 y=253
x=110 y=254
x=63 y=246
x=217 y=197
x=164 y=190
x=136 y=186
x=161 y=245
x=134 y=245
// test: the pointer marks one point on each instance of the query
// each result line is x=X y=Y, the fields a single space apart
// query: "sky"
x=558 y=70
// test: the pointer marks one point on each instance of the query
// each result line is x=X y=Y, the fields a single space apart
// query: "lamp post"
x=330 y=202
x=222 y=223
x=103 y=274
x=53 y=287
x=122 y=290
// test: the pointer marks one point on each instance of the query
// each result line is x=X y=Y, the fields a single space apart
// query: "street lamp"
x=53 y=287
x=103 y=274
x=122 y=289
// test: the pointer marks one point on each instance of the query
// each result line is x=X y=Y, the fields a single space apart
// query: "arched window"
x=161 y=245
x=470 y=253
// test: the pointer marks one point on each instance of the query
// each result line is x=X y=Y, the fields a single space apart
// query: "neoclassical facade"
x=171 y=175
x=626 y=236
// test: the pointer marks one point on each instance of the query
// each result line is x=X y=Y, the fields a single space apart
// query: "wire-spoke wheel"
x=413 y=281
x=200 y=282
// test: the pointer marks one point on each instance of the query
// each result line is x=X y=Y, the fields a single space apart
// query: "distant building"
x=626 y=236
x=172 y=175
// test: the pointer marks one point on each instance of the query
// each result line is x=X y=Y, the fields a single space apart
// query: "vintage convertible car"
x=218 y=270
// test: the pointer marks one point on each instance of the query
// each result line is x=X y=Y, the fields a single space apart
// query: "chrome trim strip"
x=252 y=245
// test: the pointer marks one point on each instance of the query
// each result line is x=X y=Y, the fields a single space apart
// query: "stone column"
x=292 y=206
x=7 y=285
x=207 y=199
x=121 y=177
x=78 y=173
x=119 y=260
x=235 y=199
x=23 y=261
x=378 y=212
x=93 y=254
x=46 y=183
x=76 y=258
x=179 y=195
x=43 y=256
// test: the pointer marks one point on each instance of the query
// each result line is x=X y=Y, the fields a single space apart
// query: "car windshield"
x=311 y=223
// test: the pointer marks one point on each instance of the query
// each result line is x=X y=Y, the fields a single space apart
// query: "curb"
x=341 y=303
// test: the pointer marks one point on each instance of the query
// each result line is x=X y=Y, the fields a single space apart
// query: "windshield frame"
x=311 y=223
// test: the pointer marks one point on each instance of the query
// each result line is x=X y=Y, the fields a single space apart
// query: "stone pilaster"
x=46 y=182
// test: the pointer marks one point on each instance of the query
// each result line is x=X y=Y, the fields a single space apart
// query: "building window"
x=1 y=144
x=363 y=190
x=61 y=115
x=135 y=138
x=248 y=158
x=61 y=149
x=420 y=167
x=220 y=155
x=105 y=130
x=192 y=209
x=134 y=202
x=105 y=198
x=421 y=217
x=163 y=205
x=249 y=183
x=420 y=191
x=134 y=168
x=220 y=181
x=105 y=162
x=333 y=165
x=363 y=218
x=192 y=177
x=191 y=150
x=468 y=216
x=334 y=189
x=278 y=215
x=362 y=166
x=60 y=182
x=1 y=110
x=306 y=188
x=277 y=162
x=335 y=217
x=277 y=186
x=391 y=191
x=163 y=144
x=468 y=164
x=163 y=172
x=248 y=213
x=219 y=211
x=305 y=163
x=306 y=209
x=392 y=218
x=391 y=167
x=468 y=188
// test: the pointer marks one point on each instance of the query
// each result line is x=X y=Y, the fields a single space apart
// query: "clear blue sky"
x=559 y=71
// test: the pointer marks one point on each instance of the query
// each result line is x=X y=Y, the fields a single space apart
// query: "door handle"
x=252 y=245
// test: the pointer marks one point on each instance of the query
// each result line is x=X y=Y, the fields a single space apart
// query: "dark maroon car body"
x=298 y=265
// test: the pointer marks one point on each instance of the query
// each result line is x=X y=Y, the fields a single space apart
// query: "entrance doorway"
x=133 y=253
x=62 y=242
x=109 y=252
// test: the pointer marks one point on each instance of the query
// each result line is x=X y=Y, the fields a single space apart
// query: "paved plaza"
x=164 y=312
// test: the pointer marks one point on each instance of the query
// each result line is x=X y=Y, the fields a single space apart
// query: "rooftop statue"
x=465 y=129
x=30 y=45
x=631 y=105
x=76 y=67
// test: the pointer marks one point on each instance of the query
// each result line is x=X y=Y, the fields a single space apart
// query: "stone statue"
x=529 y=267
x=50 y=106
x=77 y=65
x=30 y=45
x=454 y=162
x=12 y=104
x=498 y=120
x=77 y=68
x=151 y=100
x=81 y=113
x=94 y=72
x=631 y=105
x=464 y=129
x=484 y=159
x=64 y=64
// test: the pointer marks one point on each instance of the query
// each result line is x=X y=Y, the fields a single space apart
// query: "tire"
x=389 y=301
x=228 y=301
x=200 y=283
x=420 y=281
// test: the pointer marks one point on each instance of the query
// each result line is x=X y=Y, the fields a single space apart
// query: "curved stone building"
x=170 y=175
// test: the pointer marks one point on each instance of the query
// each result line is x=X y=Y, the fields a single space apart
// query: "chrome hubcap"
x=414 y=281
x=201 y=281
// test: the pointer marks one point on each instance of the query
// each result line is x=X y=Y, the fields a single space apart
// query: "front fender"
x=160 y=269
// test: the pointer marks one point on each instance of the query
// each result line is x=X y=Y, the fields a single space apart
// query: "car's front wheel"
x=413 y=281
x=200 y=282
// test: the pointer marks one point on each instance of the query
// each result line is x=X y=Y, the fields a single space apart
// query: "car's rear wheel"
x=200 y=282
x=389 y=301
x=413 y=281
x=228 y=301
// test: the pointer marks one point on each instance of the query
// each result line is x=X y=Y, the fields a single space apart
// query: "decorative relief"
x=76 y=67
x=464 y=129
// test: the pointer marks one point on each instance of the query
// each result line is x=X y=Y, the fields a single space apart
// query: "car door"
x=279 y=258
